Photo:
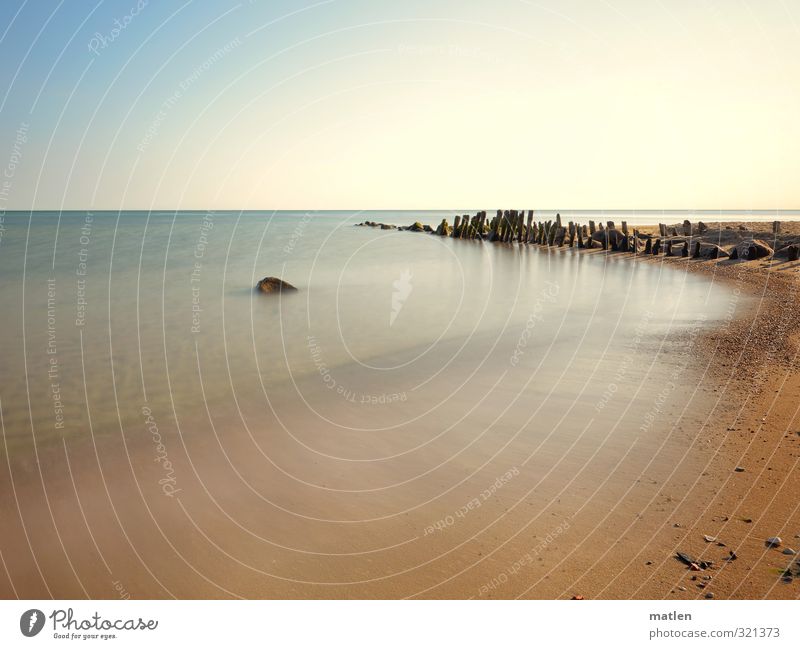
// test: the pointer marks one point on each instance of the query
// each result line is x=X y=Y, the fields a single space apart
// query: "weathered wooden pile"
x=512 y=226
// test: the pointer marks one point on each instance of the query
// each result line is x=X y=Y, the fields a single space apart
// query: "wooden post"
x=579 y=232
x=648 y=246
x=657 y=247
x=558 y=220
x=625 y=228
x=512 y=220
x=591 y=227
x=528 y=228
x=687 y=228
x=685 y=249
x=662 y=229
x=776 y=227
x=495 y=225
x=571 y=229
x=696 y=254
x=610 y=225
x=456 y=226
x=668 y=249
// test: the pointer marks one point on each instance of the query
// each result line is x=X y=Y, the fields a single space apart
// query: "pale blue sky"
x=420 y=104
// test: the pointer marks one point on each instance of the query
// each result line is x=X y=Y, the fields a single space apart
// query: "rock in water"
x=274 y=285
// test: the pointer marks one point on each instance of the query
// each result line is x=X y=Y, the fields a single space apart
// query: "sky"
x=420 y=104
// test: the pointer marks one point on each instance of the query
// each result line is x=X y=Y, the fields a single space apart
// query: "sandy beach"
x=751 y=365
x=519 y=483
x=736 y=484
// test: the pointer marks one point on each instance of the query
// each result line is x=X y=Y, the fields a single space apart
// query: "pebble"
x=709 y=595
x=739 y=469
x=774 y=541
x=789 y=551
x=682 y=588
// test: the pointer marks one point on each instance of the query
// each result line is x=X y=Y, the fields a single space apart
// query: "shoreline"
x=749 y=443
x=753 y=363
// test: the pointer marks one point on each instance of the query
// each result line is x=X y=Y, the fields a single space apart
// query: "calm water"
x=134 y=308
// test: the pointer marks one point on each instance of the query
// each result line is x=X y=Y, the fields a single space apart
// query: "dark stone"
x=790 y=252
x=274 y=285
x=753 y=249
x=444 y=230
x=607 y=237
x=712 y=251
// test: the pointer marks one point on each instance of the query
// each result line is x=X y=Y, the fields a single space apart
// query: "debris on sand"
x=693 y=563
x=773 y=542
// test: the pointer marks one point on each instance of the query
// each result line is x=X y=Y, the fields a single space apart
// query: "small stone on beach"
x=789 y=551
x=739 y=469
x=773 y=541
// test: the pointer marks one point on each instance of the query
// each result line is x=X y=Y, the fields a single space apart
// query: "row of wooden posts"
x=510 y=226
